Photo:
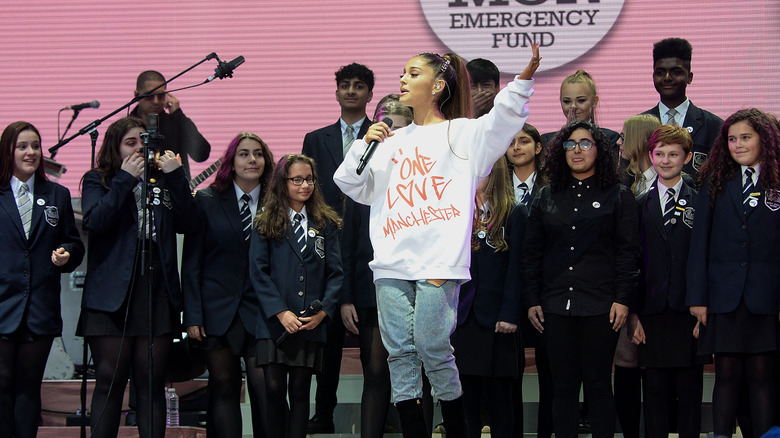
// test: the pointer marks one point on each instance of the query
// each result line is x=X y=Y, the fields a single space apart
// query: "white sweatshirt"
x=420 y=187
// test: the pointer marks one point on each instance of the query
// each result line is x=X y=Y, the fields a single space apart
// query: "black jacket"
x=581 y=249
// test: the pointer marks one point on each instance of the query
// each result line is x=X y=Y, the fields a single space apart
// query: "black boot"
x=454 y=417
x=412 y=419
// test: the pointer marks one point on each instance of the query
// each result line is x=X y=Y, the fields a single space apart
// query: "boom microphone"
x=81 y=106
x=225 y=69
x=371 y=148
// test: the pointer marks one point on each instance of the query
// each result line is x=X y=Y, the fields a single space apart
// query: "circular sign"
x=502 y=30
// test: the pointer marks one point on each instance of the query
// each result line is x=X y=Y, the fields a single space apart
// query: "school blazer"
x=733 y=255
x=30 y=282
x=325 y=146
x=285 y=279
x=111 y=219
x=494 y=292
x=664 y=257
x=704 y=128
x=215 y=266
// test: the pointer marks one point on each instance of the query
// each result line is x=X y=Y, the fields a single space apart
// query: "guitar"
x=207 y=172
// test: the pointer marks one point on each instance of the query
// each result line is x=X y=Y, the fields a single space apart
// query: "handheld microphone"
x=81 y=106
x=225 y=69
x=371 y=148
x=313 y=309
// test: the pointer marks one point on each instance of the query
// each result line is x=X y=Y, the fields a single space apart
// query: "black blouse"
x=581 y=249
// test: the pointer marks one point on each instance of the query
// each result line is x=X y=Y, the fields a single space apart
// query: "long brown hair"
x=108 y=159
x=7 y=146
x=273 y=221
x=500 y=197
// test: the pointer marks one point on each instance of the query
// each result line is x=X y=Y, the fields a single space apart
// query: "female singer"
x=420 y=186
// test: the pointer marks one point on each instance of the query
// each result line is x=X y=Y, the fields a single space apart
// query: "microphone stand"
x=93 y=126
x=152 y=142
x=92 y=130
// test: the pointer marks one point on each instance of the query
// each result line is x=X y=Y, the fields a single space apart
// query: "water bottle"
x=172 y=402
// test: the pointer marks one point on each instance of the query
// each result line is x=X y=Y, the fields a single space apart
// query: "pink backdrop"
x=59 y=53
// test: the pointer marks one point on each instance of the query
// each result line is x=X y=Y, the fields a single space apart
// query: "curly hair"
x=355 y=70
x=226 y=172
x=273 y=221
x=673 y=48
x=721 y=167
x=557 y=169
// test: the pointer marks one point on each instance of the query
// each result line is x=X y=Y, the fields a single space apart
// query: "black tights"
x=628 y=398
x=114 y=360
x=499 y=398
x=376 y=380
x=759 y=373
x=21 y=371
x=224 y=415
x=294 y=419
x=670 y=389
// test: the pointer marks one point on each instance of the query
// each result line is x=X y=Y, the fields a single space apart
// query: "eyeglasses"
x=584 y=145
x=298 y=181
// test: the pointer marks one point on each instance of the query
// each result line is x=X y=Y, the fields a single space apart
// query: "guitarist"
x=179 y=132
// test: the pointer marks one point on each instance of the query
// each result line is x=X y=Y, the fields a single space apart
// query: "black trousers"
x=662 y=387
x=581 y=349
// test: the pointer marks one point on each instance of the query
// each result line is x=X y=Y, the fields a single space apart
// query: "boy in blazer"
x=671 y=76
x=667 y=347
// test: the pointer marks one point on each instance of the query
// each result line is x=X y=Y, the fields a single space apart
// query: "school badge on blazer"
x=319 y=246
x=772 y=202
x=699 y=158
x=166 y=199
x=52 y=215
x=687 y=217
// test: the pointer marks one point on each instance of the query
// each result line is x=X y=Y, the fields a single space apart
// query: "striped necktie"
x=139 y=207
x=524 y=197
x=24 y=204
x=300 y=234
x=747 y=190
x=670 y=117
x=246 y=216
x=669 y=220
x=349 y=138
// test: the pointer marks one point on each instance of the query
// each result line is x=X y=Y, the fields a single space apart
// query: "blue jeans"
x=416 y=319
